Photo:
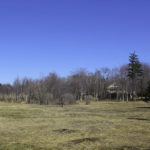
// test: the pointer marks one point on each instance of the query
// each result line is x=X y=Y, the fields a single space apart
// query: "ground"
x=98 y=126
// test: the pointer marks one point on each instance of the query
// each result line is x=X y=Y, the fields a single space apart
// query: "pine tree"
x=148 y=90
x=134 y=71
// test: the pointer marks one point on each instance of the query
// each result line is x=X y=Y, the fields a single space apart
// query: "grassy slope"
x=97 y=126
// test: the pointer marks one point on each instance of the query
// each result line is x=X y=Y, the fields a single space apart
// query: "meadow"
x=98 y=126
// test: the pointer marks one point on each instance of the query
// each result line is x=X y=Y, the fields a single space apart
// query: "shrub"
x=88 y=99
x=67 y=98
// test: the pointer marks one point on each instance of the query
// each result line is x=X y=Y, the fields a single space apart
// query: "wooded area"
x=129 y=82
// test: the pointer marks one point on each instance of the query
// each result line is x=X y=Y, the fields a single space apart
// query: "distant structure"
x=114 y=91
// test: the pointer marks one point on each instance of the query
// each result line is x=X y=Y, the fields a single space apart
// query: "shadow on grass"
x=139 y=119
x=129 y=148
x=143 y=107
x=78 y=141
x=65 y=131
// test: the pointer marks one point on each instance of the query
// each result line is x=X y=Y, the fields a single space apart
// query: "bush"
x=88 y=99
x=67 y=99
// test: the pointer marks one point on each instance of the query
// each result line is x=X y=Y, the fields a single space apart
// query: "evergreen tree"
x=148 y=90
x=134 y=71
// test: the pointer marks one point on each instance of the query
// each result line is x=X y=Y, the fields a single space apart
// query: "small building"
x=114 y=91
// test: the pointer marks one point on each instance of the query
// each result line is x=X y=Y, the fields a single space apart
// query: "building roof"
x=113 y=86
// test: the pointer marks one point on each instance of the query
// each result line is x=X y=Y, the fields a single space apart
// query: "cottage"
x=113 y=91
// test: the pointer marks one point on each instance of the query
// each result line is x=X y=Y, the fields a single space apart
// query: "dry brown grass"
x=98 y=126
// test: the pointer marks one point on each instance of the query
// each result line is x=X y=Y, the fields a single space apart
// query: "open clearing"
x=98 y=126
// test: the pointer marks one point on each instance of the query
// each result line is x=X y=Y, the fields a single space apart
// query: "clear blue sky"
x=42 y=36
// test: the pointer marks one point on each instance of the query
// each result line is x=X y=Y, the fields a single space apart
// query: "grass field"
x=98 y=126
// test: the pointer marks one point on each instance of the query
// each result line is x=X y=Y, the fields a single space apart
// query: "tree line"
x=128 y=82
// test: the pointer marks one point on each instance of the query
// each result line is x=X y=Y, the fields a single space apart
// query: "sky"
x=42 y=36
